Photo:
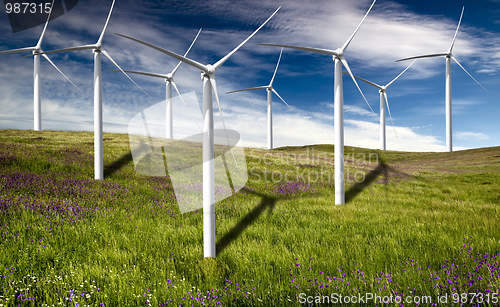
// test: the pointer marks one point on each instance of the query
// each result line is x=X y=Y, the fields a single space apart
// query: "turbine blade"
x=389 y=84
x=170 y=53
x=66 y=49
x=99 y=41
x=216 y=93
x=185 y=54
x=390 y=116
x=142 y=73
x=111 y=59
x=364 y=80
x=18 y=50
x=274 y=91
x=423 y=56
x=344 y=62
x=47 y=58
x=456 y=32
x=182 y=99
x=454 y=59
x=276 y=69
x=221 y=61
x=355 y=31
x=315 y=50
x=249 y=89
x=39 y=44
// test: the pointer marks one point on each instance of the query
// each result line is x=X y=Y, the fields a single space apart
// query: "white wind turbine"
x=339 y=60
x=383 y=101
x=97 y=49
x=169 y=82
x=209 y=86
x=448 y=55
x=270 y=91
x=37 y=51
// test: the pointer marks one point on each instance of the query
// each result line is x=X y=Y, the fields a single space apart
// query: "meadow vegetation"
x=415 y=224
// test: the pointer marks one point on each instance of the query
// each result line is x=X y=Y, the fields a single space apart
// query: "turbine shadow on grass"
x=381 y=169
x=115 y=166
x=267 y=202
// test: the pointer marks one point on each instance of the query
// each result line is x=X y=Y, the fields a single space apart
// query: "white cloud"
x=464 y=135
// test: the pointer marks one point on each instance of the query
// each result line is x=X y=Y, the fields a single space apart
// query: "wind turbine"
x=339 y=60
x=37 y=51
x=270 y=91
x=169 y=82
x=448 y=55
x=97 y=49
x=383 y=100
x=209 y=85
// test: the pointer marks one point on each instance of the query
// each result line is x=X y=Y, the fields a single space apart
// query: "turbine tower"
x=339 y=60
x=97 y=49
x=209 y=86
x=384 y=101
x=169 y=82
x=270 y=91
x=448 y=55
x=37 y=51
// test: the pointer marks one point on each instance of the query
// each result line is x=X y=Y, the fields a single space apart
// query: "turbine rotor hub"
x=210 y=69
x=169 y=77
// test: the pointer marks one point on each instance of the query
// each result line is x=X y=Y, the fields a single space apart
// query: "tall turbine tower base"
x=169 y=116
x=383 y=140
x=37 y=103
x=98 y=158
x=449 y=141
x=208 y=172
x=269 y=119
x=339 y=133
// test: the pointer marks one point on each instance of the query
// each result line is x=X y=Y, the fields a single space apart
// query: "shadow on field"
x=382 y=169
x=267 y=202
x=113 y=167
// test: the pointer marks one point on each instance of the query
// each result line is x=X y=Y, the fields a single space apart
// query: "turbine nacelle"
x=210 y=70
x=169 y=77
x=338 y=54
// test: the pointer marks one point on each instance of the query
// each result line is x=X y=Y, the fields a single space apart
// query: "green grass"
x=123 y=242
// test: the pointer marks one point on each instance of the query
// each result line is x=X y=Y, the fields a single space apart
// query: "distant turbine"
x=97 y=50
x=37 y=51
x=169 y=81
x=448 y=55
x=270 y=91
x=383 y=101
x=338 y=58
x=209 y=85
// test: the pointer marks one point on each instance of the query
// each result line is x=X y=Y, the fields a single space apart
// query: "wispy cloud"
x=465 y=135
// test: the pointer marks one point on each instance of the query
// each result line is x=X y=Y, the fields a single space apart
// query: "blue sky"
x=393 y=30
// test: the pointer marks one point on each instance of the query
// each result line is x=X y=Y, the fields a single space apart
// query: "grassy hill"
x=414 y=225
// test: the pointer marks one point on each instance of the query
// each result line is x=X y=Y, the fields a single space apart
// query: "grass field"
x=414 y=225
